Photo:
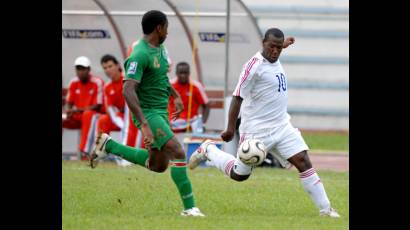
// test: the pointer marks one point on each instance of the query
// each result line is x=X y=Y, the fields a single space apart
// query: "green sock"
x=181 y=180
x=134 y=155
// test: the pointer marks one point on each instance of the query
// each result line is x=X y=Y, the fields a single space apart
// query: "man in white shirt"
x=261 y=96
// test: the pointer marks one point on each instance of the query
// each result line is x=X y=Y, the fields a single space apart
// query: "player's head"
x=156 y=22
x=82 y=68
x=111 y=67
x=182 y=72
x=273 y=44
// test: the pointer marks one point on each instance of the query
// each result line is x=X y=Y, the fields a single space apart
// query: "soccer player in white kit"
x=261 y=96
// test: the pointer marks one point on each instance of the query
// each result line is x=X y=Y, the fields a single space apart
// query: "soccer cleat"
x=331 y=212
x=199 y=155
x=192 y=212
x=99 y=149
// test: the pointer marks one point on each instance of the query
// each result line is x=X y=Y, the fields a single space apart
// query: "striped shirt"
x=263 y=87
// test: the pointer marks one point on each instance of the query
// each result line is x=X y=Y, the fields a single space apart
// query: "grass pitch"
x=111 y=197
x=328 y=142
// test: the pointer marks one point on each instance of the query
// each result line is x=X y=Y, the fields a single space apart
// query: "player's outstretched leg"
x=180 y=177
x=104 y=145
x=225 y=162
x=312 y=184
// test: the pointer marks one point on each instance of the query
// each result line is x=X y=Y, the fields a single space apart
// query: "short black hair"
x=152 y=19
x=182 y=63
x=108 y=57
x=274 y=32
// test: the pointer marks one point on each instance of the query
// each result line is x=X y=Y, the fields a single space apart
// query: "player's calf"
x=237 y=177
x=312 y=184
x=240 y=171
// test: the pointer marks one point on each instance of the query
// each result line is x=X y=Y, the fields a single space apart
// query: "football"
x=252 y=152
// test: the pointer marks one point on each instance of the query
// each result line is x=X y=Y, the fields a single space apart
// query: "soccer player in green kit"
x=147 y=90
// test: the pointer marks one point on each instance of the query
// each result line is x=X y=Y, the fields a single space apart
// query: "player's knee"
x=159 y=168
x=175 y=148
x=302 y=161
x=179 y=154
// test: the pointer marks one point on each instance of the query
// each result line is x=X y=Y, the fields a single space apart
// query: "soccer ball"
x=252 y=152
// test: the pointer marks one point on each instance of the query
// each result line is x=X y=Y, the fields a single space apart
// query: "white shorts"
x=283 y=141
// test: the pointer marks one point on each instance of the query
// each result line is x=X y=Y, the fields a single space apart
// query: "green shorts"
x=160 y=127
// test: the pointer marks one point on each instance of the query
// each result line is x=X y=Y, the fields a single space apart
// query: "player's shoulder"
x=137 y=55
x=139 y=48
x=254 y=62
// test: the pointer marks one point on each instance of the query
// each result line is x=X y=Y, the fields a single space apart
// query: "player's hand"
x=179 y=107
x=227 y=135
x=148 y=137
x=289 y=41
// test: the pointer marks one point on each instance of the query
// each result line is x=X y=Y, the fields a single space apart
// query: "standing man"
x=84 y=102
x=261 y=96
x=193 y=97
x=131 y=135
x=147 y=91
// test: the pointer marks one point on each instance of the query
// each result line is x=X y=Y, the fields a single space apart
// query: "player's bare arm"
x=133 y=103
x=205 y=112
x=234 y=109
x=288 y=41
x=179 y=106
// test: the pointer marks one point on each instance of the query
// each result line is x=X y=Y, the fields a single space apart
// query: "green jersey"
x=149 y=66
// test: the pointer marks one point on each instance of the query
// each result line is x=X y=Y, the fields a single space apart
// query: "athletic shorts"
x=283 y=141
x=160 y=127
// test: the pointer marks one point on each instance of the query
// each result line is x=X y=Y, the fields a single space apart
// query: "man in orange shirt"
x=193 y=97
x=84 y=101
x=114 y=103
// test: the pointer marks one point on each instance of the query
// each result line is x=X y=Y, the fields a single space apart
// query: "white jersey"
x=262 y=86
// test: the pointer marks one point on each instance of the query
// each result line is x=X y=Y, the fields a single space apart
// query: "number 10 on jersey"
x=282 y=81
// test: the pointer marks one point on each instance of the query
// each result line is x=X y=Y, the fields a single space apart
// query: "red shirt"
x=199 y=97
x=83 y=95
x=113 y=94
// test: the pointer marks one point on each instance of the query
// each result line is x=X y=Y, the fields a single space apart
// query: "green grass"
x=110 y=197
x=327 y=141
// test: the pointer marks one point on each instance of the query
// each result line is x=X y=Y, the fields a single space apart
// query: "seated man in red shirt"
x=193 y=96
x=84 y=101
x=114 y=101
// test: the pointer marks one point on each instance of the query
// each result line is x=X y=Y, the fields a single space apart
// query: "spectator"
x=83 y=104
x=193 y=97
x=114 y=101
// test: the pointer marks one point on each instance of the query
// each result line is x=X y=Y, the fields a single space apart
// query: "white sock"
x=220 y=159
x=314 y=187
